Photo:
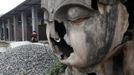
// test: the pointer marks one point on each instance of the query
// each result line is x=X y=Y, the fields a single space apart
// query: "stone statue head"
x=82 y=33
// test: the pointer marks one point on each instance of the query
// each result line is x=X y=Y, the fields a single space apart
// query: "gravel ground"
x=31 y=59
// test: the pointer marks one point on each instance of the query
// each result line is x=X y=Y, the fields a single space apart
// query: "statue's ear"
x=121 y=23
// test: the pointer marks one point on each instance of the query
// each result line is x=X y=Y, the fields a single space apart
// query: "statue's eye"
x=74 y=12
x=79 y=13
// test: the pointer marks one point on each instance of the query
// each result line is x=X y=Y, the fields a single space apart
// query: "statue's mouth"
x=62 y=49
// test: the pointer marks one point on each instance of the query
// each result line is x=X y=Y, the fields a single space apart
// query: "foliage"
x=57 y=68
x=125 y=39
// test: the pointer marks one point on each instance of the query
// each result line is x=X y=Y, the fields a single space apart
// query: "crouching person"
x=34 y=37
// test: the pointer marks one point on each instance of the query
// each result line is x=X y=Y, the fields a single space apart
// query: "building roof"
x=21 y=7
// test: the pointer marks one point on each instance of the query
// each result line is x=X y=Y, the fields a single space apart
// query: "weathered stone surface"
x=83 y=36
x=29 y=59
x=128 y=62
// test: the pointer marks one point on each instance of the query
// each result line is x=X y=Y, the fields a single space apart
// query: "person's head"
x=34 y=31
x=87 y=34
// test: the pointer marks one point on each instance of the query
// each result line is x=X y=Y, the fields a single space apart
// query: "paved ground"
x=25 y=59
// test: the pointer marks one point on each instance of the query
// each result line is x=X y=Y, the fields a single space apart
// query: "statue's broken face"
x=82 y=37
x=86 y=39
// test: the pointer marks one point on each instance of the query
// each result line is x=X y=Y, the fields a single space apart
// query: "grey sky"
x=7 y=5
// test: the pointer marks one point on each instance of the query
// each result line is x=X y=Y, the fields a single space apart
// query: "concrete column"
x=15 y=23
x=9 y=30
x=34 y=19
x=4 y=31
x=24 y=26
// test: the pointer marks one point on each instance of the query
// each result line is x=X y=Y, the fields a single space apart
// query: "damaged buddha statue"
x=86 y=35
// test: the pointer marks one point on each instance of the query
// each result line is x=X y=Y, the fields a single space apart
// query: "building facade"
x=18 y=24
x=32 y=15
